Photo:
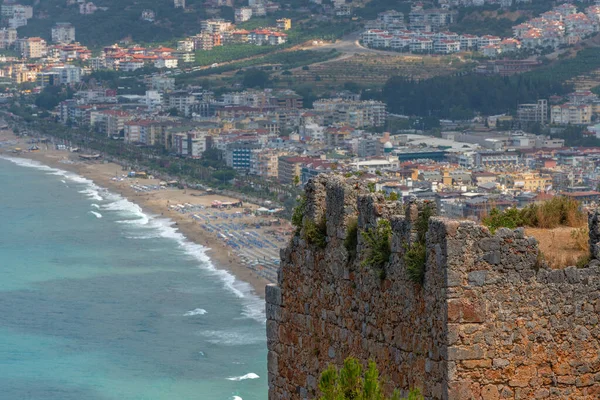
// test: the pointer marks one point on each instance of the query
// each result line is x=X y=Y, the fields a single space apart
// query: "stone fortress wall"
x=490 y=321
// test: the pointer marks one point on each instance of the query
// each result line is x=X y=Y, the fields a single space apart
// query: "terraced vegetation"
x=367 y=70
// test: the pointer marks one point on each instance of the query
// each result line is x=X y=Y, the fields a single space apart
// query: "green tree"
x=47 y=101
x=212 y=158
x=224 y=175
x=296 y=180
x=51 y=96
x=255 y=78
x=350 y=383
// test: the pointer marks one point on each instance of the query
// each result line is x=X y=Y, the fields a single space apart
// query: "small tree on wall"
x=350 y=383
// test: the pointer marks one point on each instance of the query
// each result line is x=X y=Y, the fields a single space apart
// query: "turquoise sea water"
x=99 y=301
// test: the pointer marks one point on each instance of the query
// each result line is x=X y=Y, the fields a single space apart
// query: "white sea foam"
x=253 y=305
x=251 y=375
x=91 y=190
x=153 y=227
x=95 y=205
x=197 y=311
x=97 y=214
x=231 y=338
x=142 y=237
x=24 y=162
x=92 y=193
x=126 y=208
x=236 y=398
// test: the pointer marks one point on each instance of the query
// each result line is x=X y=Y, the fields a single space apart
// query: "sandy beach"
x=190 y=209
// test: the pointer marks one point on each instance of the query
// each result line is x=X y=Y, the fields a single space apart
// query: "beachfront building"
x=290 y=167
x=191 y=144
x=265 y=163
x=238 y=155
x=110 y=122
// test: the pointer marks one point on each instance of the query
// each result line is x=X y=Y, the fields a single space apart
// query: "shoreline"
x=157 y=203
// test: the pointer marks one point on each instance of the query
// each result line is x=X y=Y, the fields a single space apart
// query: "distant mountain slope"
x=120 y=20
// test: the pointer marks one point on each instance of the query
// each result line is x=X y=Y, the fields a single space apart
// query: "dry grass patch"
x=562 y=246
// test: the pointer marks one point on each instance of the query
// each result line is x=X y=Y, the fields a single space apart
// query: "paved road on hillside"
x=349 y=44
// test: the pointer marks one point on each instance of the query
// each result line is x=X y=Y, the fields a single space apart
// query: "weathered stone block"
x=572 y=274
x=456 y=353
x=472 y=364
x=273 y=294
x=477 y=278
x=489 y=244
x=273 y=312
x=493 y=257
x=454 y=278
x=490 y=392
x=584 y=380
x=272 y=362
x=556 y=276
x=460 y=390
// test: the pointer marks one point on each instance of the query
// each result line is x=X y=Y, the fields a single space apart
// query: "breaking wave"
x=97 y=214
x=251 y=375
x=197 y=311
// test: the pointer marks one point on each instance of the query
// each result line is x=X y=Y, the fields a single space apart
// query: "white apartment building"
x=166 y=62
x=446 y=46
x=215 y=25
x=357 y=114
x=242 y=14
x=181 y=100
x=9 y=9
x=391 y=17
x=162 y=83
x=153 y=99
x=17 y=22
x=190 y=144
x=185 y=45
x=8 y=37
x=68 y=74
x=468 y=42
x=421 y=45
x=63 y=32
x=488 y=40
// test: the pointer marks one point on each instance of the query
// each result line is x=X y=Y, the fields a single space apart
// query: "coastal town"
x=561 y=26
x=410 y=182
x=269 y=137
